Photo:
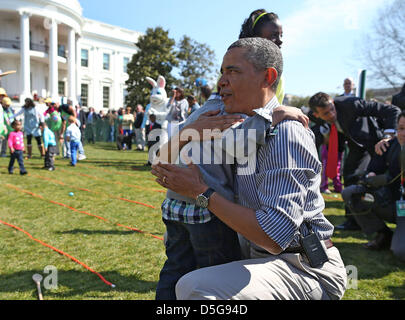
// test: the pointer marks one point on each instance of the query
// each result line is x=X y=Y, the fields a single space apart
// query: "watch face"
x=202 y=201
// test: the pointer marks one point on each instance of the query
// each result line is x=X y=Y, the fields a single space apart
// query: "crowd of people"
x=237 y=235
x=49 y=128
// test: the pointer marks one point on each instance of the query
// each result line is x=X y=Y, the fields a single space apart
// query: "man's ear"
x=271 y=76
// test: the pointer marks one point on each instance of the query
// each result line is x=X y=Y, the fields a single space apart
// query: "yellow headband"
x=257 y=19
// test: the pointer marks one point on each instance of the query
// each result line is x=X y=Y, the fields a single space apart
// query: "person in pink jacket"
x=17 y=148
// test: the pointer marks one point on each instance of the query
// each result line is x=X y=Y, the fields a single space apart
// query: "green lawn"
x=109 y=225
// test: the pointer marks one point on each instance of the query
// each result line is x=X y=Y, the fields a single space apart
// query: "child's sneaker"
x=23 y=173
x=51 y=169
x=81 y=157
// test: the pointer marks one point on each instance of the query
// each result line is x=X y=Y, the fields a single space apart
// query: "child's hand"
x=11 y=150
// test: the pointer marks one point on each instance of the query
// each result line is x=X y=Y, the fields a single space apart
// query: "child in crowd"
x=7 y=113
x=73 y=136
x=16 y=145
x=50 y=146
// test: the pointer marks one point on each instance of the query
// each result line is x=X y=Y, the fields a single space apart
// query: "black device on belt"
x=313 y=248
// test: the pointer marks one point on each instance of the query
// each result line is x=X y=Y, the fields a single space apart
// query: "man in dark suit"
x=358 y=121
x=91 y=120
x=152 y=126
x=399 y=99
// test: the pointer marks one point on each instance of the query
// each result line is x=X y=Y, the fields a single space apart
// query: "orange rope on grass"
x=87 y=190
x=114 y=172
x=60 y=252
x=115 y=182
x=79 y=211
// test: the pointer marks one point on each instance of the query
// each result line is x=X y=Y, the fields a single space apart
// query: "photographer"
x=373 y=200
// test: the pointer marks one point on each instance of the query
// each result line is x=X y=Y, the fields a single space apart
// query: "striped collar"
x=267 y=111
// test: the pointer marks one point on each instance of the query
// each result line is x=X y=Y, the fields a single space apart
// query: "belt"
x=328 y=244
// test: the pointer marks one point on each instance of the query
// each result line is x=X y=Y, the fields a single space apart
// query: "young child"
x=50 y=146
x=16 y=145
x=73 y=136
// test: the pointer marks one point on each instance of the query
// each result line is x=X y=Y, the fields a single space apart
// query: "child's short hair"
x=72 y=119
x=42 y=124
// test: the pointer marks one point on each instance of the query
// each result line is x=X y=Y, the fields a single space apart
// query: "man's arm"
x=241 y=219
x=290 y=179
x=385 y=112
x=194 y=131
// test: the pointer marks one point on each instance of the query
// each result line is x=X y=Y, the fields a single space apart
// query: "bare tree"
x=384 y=47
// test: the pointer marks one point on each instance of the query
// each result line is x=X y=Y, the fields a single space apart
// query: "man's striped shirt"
x=284 y=189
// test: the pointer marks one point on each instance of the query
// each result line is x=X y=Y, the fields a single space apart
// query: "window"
x=61 y=50
x=106 y=97
x=106 y=61
x=85 y=58
x=61 y=88
x=85 y=94
x=126 y=61
x=125 y=94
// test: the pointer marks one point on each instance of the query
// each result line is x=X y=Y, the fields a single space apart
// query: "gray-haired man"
x=279 y=203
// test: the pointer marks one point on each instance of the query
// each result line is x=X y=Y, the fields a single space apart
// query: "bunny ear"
x=161 y=81
x=151 y=81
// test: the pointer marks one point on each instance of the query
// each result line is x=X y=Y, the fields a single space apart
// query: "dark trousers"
x=192 y=246
x=49 y=156
x=91 y=132
x=356 y=164
x=17 y=154
x=373 y=221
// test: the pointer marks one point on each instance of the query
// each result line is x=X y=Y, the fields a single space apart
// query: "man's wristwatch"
x=202 y=199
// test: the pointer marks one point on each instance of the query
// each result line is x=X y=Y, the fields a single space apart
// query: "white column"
x=53 y=60
x=25 y=56
x=78 y=68
x=72 y=66
x=115 y=80
x=97 y=68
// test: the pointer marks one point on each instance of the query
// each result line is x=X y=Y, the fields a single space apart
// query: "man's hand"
x=185 y=181
x=281 y=113
x=210 y=121
x=382 y=146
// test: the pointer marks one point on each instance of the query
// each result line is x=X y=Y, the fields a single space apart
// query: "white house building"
x=59 y=53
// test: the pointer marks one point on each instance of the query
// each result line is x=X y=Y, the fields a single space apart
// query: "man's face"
x=401 y=131
x=348 y=85
x=327 y=113
x=241 y=86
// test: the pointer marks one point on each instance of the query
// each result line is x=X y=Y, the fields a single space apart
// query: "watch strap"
x=208 y=193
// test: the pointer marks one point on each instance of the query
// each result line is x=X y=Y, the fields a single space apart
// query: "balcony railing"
x=16 y=44
x=10 y=44
x=39 y=47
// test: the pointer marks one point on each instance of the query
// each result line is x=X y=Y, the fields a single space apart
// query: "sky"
x=323 y=39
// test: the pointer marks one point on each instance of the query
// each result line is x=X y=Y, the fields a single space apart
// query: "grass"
x=104 y=185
